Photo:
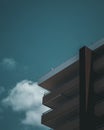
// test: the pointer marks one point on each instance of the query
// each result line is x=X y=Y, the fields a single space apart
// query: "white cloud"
x=27 y=96
x=32 y=118
x=8 y=63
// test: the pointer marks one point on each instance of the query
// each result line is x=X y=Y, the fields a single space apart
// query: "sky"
x=35 y=36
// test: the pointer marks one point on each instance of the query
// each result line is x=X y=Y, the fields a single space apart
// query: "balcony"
x=98 y=65
x=67 y=111
x=73 y=125
x=62 y=77
x=98 y=51
x=99 y=86
x=99 y=90
x=64 y=92
x=99 y=109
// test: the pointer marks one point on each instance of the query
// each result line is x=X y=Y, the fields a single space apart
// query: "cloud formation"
x=8 y=63
x=32 y=117
x=26 y=96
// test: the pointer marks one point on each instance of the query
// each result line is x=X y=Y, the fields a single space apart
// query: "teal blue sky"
x=37 y=35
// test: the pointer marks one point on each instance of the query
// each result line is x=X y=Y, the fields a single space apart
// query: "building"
x=76 y=95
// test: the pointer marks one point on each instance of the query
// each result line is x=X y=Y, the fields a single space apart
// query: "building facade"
x=76 y=95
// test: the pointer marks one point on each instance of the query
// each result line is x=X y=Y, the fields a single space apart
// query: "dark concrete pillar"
x=86 y=89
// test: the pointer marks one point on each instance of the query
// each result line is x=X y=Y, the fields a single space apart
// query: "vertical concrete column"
x=85 y=72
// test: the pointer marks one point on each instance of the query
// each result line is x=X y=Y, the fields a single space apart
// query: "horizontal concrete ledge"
x=67 y=90
x=99 y=86
x=73 y=125
x=99 y=109
x=64 y=109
